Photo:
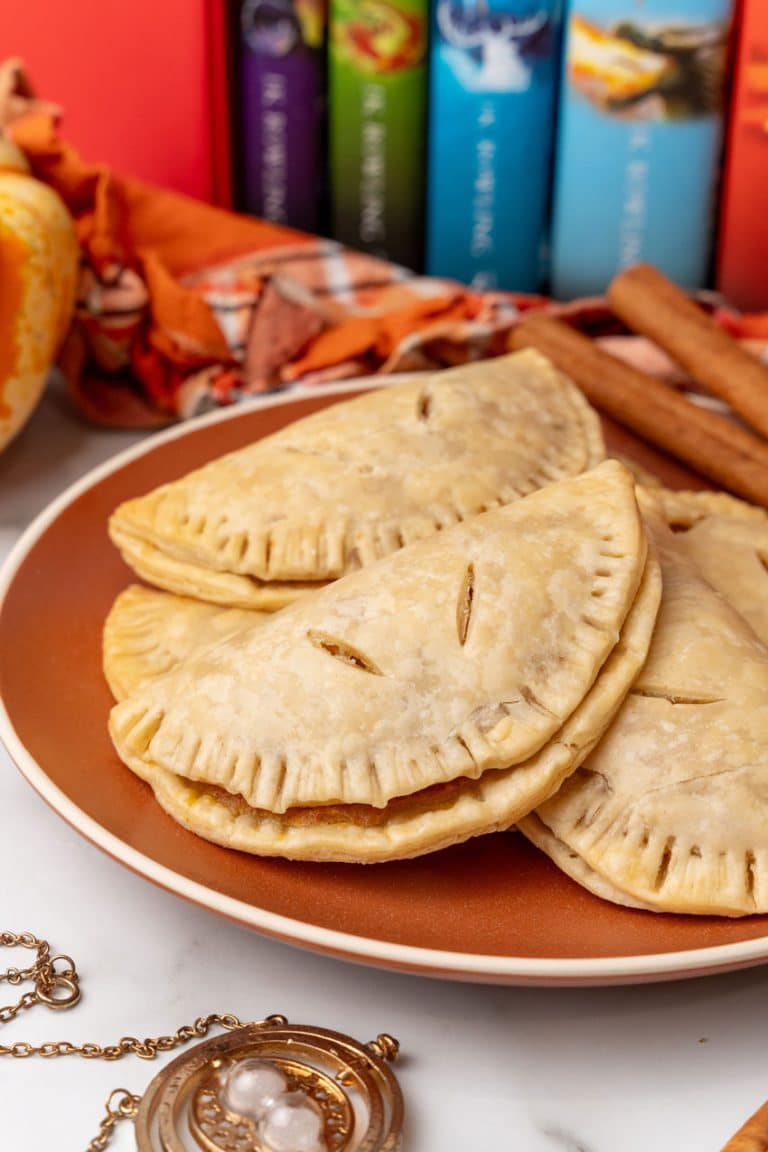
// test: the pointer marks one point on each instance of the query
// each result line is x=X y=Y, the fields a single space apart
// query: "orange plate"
x=491 y=910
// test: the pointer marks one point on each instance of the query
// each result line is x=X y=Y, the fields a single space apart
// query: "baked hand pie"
x=669 y=811
x=148 y=632
x=355 y=482
x=727 y=539
x=440 y=693
x=568 y=860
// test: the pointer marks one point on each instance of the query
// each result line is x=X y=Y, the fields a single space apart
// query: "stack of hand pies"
x=436 y=611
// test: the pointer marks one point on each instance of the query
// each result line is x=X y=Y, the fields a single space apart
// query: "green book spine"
x=377 y=89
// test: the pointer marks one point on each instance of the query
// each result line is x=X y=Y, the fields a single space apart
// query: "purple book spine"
x=282 y=83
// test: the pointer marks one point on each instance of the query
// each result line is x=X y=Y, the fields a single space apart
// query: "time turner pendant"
x=274 y=1087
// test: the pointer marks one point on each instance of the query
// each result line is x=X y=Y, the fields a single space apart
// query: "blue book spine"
x=639 y=140
x=494 y=68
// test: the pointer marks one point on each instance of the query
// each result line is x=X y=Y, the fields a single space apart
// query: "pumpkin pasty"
x=727 y=539
x=147 y=633
x=352 y=483
x=459 y=655
x=571 y=863
x=682 y=510
x=670 y=809
x=435 y=817
x=226 y=589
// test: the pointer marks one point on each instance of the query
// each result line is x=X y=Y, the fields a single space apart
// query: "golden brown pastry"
x=440 y=693
x=356 y=481
x=670 y=810
x=148 y=632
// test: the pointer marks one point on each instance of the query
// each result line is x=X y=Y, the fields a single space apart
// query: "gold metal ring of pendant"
x=266 y=1088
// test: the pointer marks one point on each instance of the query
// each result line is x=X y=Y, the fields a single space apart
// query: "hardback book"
x=493 y=77
x=377 y=89
x=282 y=96
x=743 y=244
x=639 y=140
x=143 y=87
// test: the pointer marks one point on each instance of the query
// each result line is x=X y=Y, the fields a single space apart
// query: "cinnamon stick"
x=709 y=443
x=753 y=1136
x=651 y=304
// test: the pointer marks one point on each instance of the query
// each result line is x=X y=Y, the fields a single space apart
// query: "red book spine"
x=220 y=66
x=144 y=86
x=743 y=241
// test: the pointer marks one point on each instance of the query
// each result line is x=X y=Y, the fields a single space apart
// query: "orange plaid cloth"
x=183 y=306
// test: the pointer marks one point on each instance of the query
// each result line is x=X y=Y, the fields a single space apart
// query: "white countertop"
x=656 y=1068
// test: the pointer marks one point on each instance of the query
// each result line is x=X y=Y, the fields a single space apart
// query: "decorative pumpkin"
x=38 y=275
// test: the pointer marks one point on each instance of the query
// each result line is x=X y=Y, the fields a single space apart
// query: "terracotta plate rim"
x=381 y=953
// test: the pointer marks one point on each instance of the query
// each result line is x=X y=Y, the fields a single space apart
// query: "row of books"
x=518 y=144
x=514 y=144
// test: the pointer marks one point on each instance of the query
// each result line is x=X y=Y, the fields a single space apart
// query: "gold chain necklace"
x=262 y=1083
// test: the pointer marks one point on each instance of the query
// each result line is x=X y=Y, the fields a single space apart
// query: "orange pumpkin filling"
x=363 y=815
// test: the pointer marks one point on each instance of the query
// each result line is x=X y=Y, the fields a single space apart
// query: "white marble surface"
x=661 y=1067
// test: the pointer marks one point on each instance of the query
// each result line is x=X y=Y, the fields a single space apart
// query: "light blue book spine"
x=494 y=68
x=639 y=140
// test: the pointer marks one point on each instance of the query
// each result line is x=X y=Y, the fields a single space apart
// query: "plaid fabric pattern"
x=183 y=306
